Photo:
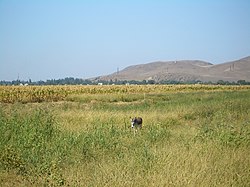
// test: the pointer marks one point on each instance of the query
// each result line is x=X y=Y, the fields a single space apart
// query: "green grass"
x=188 y=139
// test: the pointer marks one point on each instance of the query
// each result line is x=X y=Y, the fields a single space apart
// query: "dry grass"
x=188 y=139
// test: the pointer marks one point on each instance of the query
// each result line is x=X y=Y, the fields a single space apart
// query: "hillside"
x=185 y=70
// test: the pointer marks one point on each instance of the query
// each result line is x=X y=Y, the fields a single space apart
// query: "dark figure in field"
x=136 y=122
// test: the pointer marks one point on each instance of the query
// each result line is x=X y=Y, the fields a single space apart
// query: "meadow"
x=192 y=135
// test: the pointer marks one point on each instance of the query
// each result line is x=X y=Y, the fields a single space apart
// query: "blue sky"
x=50 y=39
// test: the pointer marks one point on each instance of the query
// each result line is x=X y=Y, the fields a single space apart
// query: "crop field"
x=192 y=135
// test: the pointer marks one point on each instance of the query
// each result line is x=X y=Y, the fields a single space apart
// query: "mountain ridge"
x=184 y=71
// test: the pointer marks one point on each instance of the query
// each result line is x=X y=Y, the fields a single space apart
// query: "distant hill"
x=184 y=71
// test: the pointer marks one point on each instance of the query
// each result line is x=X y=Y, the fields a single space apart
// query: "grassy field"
x=192 y=135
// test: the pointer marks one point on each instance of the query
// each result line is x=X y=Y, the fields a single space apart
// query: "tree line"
x=79 y=81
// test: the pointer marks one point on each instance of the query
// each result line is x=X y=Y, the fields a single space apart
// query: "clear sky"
x=51 y=39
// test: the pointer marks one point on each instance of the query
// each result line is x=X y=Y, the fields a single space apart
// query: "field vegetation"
x=192 y=135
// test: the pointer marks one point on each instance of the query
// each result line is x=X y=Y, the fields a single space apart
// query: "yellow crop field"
x=24 y=94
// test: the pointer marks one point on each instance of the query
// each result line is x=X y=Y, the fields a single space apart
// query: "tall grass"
x=187 y=139
x=31 y=145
